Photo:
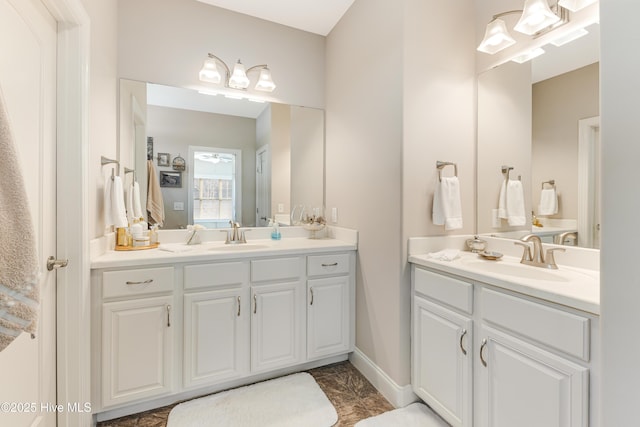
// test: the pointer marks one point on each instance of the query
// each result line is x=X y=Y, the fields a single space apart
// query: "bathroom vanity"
x=500 y=344
x=168 y=326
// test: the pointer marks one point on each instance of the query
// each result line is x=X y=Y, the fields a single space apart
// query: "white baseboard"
x=398 y=396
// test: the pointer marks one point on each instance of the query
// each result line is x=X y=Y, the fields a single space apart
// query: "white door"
x=277 y=324
x=263 y=186
x=137 y=345
x=28 y=84
x=328 y=317
x=442 y=358
x=216 y=336
x=525 y=386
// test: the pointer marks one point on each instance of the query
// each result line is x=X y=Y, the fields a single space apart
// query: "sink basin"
x=239 y=247
x=515 y=270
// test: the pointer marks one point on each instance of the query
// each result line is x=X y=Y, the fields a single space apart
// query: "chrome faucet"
x=235 y=235
x=538 y=258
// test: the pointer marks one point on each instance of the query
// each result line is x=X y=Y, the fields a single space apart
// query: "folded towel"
x=444 y=255
x=447 y=208
x=155 y=202
x=511 y=203
x=19 y=274
x=548 y=202
x=175 y=247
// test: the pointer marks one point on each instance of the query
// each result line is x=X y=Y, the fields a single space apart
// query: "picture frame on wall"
x=171 y=179
x=164 y=159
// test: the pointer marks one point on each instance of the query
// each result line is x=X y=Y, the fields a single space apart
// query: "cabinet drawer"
x=276 y=269
x=453 y=292
x=323 y=265
x=558 y=329
x=218 y=274
x=137 y=282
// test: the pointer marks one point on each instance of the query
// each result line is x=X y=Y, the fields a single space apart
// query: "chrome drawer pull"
x=168 y=316
x=238 y=306
x=255 y=303
x=330 y=265
x=140 y=283
x=464 y=332
x=484 y=344
x=311 y=289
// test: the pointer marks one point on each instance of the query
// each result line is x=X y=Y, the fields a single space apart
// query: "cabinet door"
x=525 y=386
x=277 y=325
x=328 y=316
x=216 y=336
x=137 y=346
x=442 y=361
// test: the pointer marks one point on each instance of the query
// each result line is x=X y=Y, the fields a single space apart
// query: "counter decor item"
x=314 y=222
x=476 y=245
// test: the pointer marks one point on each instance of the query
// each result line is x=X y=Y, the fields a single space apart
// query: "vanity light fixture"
x=238 y=79
x=528 y=55
x=535 y=17
x=575 y=5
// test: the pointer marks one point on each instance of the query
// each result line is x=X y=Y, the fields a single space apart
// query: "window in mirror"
x=215 y=186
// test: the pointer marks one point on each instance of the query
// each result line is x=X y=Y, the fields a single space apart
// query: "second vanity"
x=500 y=344
x=168 y=326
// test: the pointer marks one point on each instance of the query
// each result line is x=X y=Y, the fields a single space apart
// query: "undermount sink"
x=515 y=270
x=239 y=247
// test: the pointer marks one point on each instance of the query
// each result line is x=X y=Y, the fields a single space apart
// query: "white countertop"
x=570 y=285
x=213 y=250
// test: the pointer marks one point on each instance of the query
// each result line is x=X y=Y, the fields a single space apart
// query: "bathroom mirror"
x=244 y=161
x=541 y=119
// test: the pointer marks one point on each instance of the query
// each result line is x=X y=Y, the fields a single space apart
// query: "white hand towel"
x=118 y=211
x=548 y=202
x=447 y=207
x=137 y=206
x=19 y=265
x=511 y=204
x=108 y=209
x=129 y=205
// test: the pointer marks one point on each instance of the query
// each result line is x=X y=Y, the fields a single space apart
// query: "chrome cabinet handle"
x=330 y=265
x=311 y=289
x=168 y=316
x=255 y=303
x=484 y=344
x=140 y=283
x=464 y=332
x=238 y=306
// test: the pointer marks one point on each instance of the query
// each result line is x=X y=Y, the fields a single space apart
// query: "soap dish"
x=490 y=255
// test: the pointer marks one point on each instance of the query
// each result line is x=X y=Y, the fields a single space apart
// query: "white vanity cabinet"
x=485 y=357
x=277 y=319
x=330 y=296
x=442 y=345
x=216 y=322
x=138 y=334
x=169 y=332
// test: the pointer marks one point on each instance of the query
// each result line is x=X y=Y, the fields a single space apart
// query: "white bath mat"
x=414 y=415
x=292 y=401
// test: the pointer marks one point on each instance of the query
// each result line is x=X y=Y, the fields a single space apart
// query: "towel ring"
x=440 y=165
x=552 y=183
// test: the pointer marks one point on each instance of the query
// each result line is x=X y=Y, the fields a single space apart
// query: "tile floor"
x=350 y=393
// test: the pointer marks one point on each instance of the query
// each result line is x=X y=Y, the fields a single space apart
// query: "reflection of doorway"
x=263 y=186
x=214 y=177
x=589 y=182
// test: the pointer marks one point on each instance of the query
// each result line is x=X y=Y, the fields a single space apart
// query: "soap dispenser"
x=275 y=233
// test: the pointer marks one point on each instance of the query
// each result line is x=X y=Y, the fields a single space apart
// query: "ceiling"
x=314 y=16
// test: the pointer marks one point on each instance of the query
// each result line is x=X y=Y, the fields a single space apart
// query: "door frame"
x=72 y=159
x=587 y=157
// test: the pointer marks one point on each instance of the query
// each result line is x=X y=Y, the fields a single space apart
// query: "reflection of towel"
x=19 y=271
x=155 y=202
x=134 y=210
x=548 y=202
x=447 y=208
x=118 y=211
x=511 y=203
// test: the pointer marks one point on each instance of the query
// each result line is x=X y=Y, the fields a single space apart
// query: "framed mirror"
x=541 y=120
x=244 y=161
